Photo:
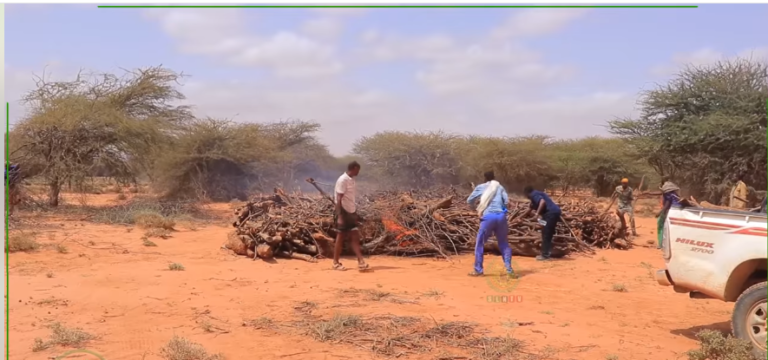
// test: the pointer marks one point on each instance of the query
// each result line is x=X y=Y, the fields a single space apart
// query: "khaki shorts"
x=348 y=221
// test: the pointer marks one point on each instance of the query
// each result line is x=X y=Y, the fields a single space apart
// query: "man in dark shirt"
x=547 y=210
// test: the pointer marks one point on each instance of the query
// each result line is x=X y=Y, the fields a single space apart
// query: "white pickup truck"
x=720 y=254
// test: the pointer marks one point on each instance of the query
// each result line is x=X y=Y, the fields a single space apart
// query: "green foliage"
x=428 y=159
x=704 y=126
x=222 y=160
x=715 y=346
x=411 y=159
x=97 y=121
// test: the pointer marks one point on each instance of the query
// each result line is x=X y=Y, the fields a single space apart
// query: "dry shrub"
x=158 y=233
x=149 y=213
x=179 y=348
x=63 y=336
x=22 y=242
x=715 y=346
x=219 y=160
x=121 y=196
x=147 y=242
x=495 y=348
x=176 y=267
x=337 y=328
x=397 y=336
x=262 y=323
x=152 y=220
x=305 y=307
x=61 y=249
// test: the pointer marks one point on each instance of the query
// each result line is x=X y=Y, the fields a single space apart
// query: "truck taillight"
x=665 y=242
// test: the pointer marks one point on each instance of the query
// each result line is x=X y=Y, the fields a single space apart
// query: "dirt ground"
x=110 y=285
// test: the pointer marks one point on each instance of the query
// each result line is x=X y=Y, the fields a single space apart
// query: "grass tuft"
x=22 y=242
x=63 y=336
x=715 y=346
x=619 y=288
x=179 y=348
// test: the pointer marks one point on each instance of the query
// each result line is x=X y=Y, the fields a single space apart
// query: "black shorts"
x=348 y=221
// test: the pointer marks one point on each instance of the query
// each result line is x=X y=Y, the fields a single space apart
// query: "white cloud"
x=490 y=85
x=535 y=22
x=347 y=112
x=20 y=80
x=495 y=63
x=323 y=27
x=225 y=36
x=705 y=56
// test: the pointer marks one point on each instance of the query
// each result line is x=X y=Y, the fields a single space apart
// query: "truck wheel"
x=749 y=316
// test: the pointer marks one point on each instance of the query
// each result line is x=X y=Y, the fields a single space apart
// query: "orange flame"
x=391 y=226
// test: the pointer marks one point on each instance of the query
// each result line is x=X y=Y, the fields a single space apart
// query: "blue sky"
x=560 y=72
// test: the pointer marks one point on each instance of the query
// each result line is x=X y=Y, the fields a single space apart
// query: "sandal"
x=475 y=274
x=339 y=267
x=363 y=266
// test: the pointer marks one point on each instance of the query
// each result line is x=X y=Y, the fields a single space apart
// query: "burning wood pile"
x=416 y=223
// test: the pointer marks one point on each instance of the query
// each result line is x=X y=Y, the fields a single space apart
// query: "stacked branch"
x=416 y=223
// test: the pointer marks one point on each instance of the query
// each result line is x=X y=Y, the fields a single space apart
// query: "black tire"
x=744 y=309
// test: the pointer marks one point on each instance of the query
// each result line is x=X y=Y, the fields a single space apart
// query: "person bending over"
x=547 y=210
x=492 y=209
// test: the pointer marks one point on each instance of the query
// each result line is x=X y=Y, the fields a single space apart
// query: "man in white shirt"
x=345 y=216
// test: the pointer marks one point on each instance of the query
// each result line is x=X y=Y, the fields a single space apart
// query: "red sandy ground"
x=124 y=293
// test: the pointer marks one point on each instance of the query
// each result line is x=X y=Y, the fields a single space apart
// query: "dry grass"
x=262 y=323
x=399 y=336
x=63 y=336
x=434 y=293
x=495 y=348
x=305 y=307
x=147 y=242
x=158 y=233
x=153 y=220
x=715 y=346
x=619 y=288
x=179 y=348
x=176 y=267
x=61 y=249
x=375 y=295
x=52 y=301
x=22 y=242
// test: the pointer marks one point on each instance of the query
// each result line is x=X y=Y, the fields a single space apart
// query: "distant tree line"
x=705 y=125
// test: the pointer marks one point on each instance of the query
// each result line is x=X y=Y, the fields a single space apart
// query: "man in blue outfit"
x=547 y=210
x=492 y=209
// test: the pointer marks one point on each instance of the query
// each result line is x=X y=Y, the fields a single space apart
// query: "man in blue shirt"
x=547 y=210
x=492 y=209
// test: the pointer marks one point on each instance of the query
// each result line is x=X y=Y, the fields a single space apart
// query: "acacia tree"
x=96 y=121
x=411 y=159
x=216 y=159
x=705 y=125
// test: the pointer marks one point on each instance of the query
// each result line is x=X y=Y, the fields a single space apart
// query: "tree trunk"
x=53 y=192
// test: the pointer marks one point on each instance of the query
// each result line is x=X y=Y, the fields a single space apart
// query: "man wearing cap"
x=624 y=194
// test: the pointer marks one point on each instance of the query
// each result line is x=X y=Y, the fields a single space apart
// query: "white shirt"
x=346 y=185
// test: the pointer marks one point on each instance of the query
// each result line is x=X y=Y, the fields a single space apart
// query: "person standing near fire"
x=548 y=214
x=491 y=199
x=345 y=216
x=625 y=195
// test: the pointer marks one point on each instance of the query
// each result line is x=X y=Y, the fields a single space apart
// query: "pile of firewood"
x=415 y=223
